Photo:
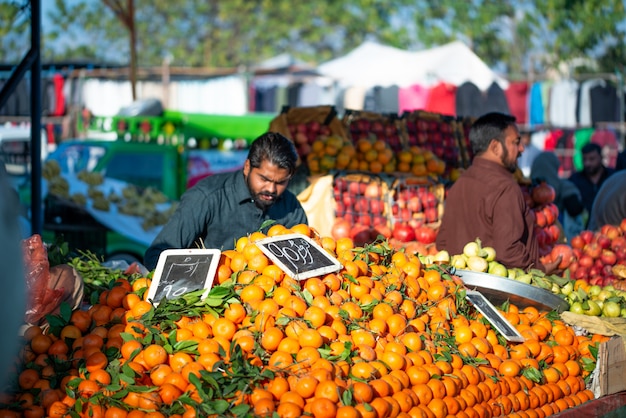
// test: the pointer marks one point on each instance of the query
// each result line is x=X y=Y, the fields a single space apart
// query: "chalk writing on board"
x=298 y=255
x=495 y=318
x=182 y=271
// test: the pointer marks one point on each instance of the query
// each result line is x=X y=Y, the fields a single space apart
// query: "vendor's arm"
x=513 y=235
x=187 y=223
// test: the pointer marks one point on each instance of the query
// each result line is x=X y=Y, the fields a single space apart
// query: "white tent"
x=372 y=64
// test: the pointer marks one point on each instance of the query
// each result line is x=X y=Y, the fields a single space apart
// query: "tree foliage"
x=14 y=26
x=541 y=33
x=211 y=33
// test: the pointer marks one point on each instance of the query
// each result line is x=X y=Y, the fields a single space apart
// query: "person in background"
x=221 y=208
x=527 y=157
x=594 y=173
x=13 y=295
x=609 y=206
x=568 y=200
x=487 y=203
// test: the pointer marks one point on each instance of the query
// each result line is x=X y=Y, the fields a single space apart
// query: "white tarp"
x=372 y=64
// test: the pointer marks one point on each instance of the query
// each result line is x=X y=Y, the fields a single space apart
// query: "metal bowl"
x=500 y=289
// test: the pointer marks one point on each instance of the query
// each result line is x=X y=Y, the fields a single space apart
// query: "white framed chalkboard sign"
x=298 y=255
x=496 y=319
x=180 y=271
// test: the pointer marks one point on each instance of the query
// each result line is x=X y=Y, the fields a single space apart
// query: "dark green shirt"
x=219 y=210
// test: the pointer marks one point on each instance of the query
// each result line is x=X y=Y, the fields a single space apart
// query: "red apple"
x=554 y=232
x=372 y=190
x=608 y=257
x=587 y=236
x=620 y=252
x=622 y=226
x=365 y=220
x=593 y=250
x=376 y=206
x=573 y=267
x=549 y=214
x=585 y=261
x=431 y=215
x=577 y=242
x=618 y=242
x=425 y=235
x=578 y=252
x=540 y=219
x=581 y=273
x=354 y=188
x=610 y=231
x=414 y=204
x=603 y=241
x=362 y=187
x=403 y=232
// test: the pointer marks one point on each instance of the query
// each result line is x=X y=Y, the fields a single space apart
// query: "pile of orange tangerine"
x=373 y=156
x=386 y=330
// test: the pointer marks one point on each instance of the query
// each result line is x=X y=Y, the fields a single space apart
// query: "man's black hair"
x=275 y=148
x=488 y=127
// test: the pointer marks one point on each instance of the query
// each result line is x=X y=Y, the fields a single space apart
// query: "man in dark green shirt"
x=222 y=208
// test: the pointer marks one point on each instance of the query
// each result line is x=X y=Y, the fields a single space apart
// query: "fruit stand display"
x=440 y=134
x=305 y=125
x=375 y=126
x=389 y=334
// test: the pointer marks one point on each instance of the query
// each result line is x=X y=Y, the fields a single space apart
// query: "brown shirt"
x=487 y=203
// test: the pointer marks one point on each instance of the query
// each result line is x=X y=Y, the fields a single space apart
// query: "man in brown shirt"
x=487 y=203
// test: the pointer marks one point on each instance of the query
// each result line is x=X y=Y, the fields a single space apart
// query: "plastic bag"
x=47 y=288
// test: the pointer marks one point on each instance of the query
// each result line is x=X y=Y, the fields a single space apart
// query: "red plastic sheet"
x=606 y=407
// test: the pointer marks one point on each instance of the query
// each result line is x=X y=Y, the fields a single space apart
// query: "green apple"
x=497 y=269
x=524 y=278
x=593 y=308
x=491 y=253
x=594 y=290
x=577 y=308
x=458 y=261
x=511 y=274
x=611 y=309
x=568 y=288
x=476 y=263
x=603 y=294
x=442 y=257
x=471 y=249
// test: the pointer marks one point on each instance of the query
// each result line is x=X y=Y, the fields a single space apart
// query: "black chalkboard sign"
x=494 y=316
x=298 y=255
x=182 y=271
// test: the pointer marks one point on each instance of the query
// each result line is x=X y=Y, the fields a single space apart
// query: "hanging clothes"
x=412 y=98
x=605 y=106
x=584 y=100
x=388 y=100
x=354 y=98
x=546 y=86
x=495 y=100
x=469 y=100
x=581 y=138
x=563 y=99
x=442 y=99
x=517 y=99
x=535 y=105
x=59 y=106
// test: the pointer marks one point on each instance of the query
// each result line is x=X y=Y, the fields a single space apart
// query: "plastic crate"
x=417 y=201
x=362 y=199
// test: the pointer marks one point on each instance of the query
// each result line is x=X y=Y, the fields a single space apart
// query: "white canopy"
x=372 y=64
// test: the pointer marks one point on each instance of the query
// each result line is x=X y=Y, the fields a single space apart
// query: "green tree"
x=541 y=33
x=226 y=33
x=14 y=30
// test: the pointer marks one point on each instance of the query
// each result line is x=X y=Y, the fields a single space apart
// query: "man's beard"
x=260 y=203
x=509 y=165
